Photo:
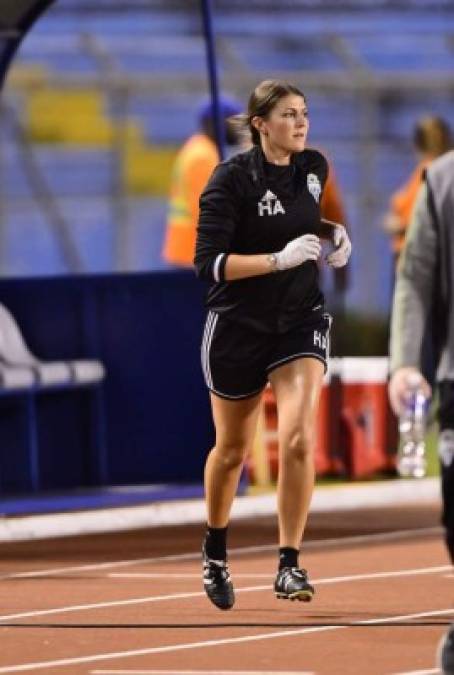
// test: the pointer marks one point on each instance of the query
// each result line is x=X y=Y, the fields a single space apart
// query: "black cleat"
x=292 y=584
x=217 y=583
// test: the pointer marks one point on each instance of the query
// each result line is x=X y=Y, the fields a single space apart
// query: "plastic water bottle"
x=411 y=460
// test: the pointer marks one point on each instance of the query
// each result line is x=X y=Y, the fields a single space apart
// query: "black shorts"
x=236 y=360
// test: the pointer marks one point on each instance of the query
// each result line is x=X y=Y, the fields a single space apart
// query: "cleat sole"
x=223 y=604
x=302 y=596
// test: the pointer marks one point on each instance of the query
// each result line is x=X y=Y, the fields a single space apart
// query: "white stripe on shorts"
x=206 y=331
x=206 y=345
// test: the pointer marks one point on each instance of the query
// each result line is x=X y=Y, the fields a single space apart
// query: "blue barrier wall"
x=146 y=328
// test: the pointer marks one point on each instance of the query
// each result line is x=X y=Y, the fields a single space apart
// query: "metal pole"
x=212 y=75
x=4 y=205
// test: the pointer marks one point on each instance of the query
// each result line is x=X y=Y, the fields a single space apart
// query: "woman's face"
x=285 y=127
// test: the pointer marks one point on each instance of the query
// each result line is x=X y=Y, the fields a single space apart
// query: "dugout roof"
x=16 y=19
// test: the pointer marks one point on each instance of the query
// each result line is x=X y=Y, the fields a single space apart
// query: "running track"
x=132 y=602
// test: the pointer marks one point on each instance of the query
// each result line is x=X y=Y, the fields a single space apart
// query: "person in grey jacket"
x=424 y=298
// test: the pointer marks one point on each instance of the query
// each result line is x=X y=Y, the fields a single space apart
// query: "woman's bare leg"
x=235 y=423
x=297 y=386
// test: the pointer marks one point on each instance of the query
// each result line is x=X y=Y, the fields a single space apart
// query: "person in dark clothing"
x=258 y=241
x=423 y=297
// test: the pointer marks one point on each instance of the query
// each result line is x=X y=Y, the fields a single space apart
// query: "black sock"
x=216 y=543
x=288 y=557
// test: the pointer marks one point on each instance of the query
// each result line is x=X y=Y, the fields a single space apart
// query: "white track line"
x=200 y=672
x=198 y=594
x=42 y=665
x=113 y=603
x=434 y=671
x=384 y=575
x=309 y=546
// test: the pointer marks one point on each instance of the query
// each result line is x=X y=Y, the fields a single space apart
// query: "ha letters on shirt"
x=270 y=205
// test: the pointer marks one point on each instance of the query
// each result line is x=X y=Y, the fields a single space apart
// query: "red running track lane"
x=112 y=604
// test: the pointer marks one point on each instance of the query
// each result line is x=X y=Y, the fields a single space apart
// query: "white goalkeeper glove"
x=297 y=251
x=342 y=247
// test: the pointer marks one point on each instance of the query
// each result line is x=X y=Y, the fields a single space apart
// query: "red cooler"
x=366 y=415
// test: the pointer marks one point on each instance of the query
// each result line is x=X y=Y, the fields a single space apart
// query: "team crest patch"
x=313 y=185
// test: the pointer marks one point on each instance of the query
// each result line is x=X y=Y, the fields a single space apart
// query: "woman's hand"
x=343 y=247
x=297 y=251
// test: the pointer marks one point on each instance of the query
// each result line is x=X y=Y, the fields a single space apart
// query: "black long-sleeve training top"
x=250 y=207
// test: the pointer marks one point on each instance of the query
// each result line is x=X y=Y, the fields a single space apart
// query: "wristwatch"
x=272 y=260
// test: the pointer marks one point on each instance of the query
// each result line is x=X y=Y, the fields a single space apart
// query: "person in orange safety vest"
x=431 y=138
x=193 y=167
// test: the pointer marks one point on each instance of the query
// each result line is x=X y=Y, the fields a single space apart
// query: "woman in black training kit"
x=259 y=240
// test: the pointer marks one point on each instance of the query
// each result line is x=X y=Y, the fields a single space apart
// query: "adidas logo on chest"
x=270 y=205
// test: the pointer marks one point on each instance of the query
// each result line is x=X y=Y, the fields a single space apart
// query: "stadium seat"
x=15 y=377
x=21 y=372
x=147 y=169
x=15 y=353
x=76 y=117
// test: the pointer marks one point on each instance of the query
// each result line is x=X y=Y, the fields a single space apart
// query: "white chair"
x=16 y=378
x=22 y=373
x=15 y=353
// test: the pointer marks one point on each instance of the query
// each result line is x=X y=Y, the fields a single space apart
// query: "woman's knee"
x=231 y=453
x=298 y=444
